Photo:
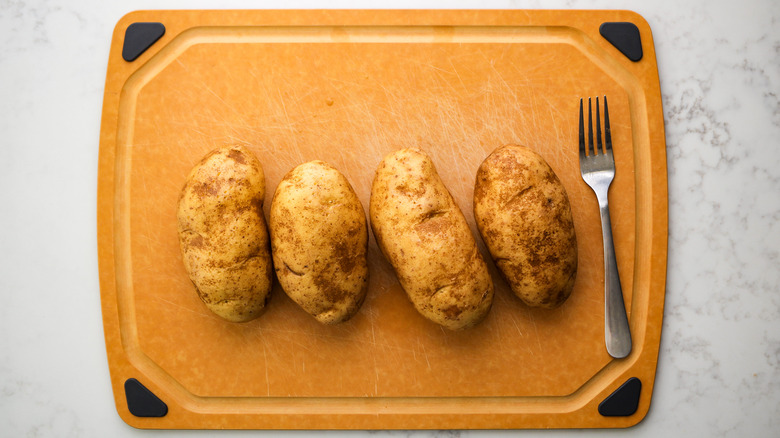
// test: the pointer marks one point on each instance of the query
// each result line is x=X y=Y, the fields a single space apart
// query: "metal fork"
x=597 y=166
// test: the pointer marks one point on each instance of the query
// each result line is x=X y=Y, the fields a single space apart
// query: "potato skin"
x=319 y=240
x=424 y=235
x=524 y=217
x=223 y=236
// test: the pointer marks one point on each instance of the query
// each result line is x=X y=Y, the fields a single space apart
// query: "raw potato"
x=223 y=236
x=424 y=235
x=524 y=216
x=319 y=239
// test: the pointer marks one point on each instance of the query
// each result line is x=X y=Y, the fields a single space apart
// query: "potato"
x=424 y=235
x=319 y=241
x=524 y=217
x=223 y=236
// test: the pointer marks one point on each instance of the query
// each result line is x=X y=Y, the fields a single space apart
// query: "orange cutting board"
x=348 y=87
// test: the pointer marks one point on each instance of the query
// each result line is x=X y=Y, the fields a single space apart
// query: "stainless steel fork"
x=597 y=166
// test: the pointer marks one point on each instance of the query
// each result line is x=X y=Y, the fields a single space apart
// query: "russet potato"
x=319 y=240
x=425 y=237
x=524 y=217
x=223 y=236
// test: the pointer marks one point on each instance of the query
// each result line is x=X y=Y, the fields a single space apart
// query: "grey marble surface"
x=719 y=365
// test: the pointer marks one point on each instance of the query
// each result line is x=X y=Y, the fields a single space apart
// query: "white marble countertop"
x=719 y=366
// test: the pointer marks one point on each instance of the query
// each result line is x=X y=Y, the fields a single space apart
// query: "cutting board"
x=349 y=87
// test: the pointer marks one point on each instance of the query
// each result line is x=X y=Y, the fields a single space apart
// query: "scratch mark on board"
x=265 y=363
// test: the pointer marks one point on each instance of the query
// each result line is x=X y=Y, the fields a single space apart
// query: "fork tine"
x=607 y=131
x=590 y=129
x=582 y=132
x=599 y=145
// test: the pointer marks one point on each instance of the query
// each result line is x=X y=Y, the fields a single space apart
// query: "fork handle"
x=616 y=331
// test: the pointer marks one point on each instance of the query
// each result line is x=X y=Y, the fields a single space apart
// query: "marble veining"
x=721 y=330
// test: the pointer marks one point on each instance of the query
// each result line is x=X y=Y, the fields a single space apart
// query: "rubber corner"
x=624 y=402
x=625 y=37
x=141 y=402
x=139 y=37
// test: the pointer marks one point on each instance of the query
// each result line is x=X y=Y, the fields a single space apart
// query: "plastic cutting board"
x=348 y=87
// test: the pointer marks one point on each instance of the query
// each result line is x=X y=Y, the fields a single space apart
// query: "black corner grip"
x=625 y=37
x=624 y=401
x=139 y=37
x=141 y=402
